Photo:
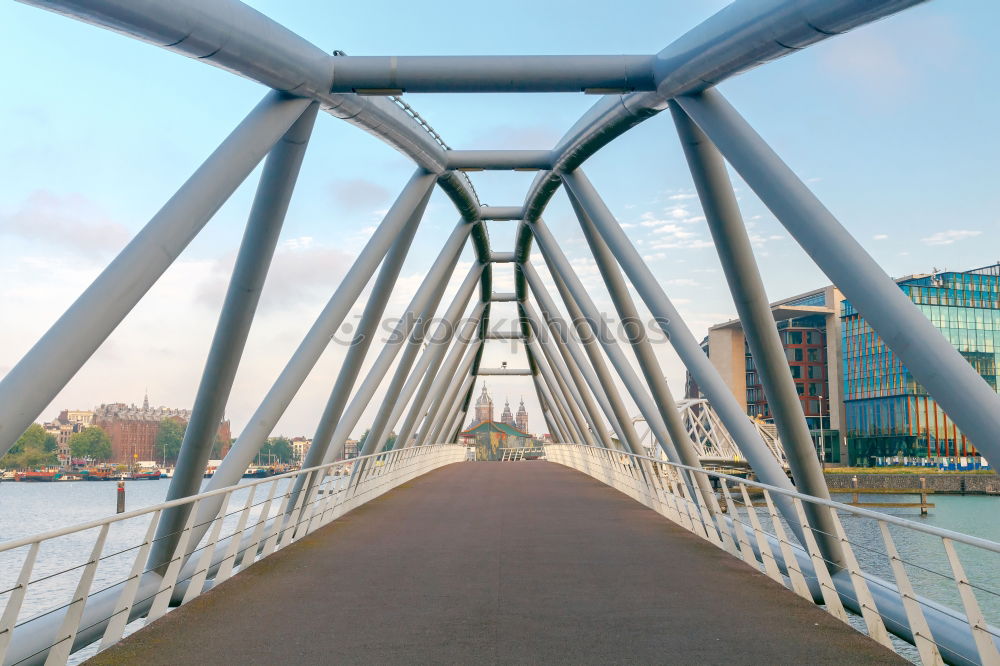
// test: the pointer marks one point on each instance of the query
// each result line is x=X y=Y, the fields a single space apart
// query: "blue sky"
x=892 y=125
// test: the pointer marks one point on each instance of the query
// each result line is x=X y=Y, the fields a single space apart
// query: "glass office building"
x=886 y=412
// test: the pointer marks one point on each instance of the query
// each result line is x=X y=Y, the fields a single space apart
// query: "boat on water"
x=101 y=474
x=145 y=475
x=70 y=477
x=257 y=473
x=38 y=475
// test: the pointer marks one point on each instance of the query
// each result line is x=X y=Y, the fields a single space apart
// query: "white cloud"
x=682 y=197
x=684 y=282
x=70 y=221
x=880 y=236
x=950 y=236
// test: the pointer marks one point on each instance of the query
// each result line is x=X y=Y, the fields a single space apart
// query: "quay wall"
x=950 y=482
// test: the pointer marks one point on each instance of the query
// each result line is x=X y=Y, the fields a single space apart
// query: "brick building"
x=132 y=429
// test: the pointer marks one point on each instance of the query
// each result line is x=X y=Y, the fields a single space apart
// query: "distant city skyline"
x=860 y=117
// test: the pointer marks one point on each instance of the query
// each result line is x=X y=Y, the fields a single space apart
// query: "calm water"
x=30 y=508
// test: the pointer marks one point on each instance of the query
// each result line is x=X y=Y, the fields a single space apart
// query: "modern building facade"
x=809 y=329
x=888 y=413
x=857 y=396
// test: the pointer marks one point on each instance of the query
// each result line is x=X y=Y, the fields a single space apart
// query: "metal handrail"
x=150 y=588
x=958 y=537
x=940 y=634
x=59 y=532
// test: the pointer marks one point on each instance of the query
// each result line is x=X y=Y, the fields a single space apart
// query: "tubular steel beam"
x=744 y=34
x=503 y=297
x=509 y=372
x=394 y=75
x=501 y=213
x=371 y=317
x=318 y=338
x=722 y=212
x=557 y=378
x=595 y=372
x=934 y=362
x=561 y=270
x=557 y=416
x=504 y=335
x=424 y=302
x=397 y=395
x=498 y=160
x=644 y=354
x=238 y=38
x=684 y=343
x=274 y=191
x=502 y=257
x=568 y=366
x=61 y=352
x=439 y=368
x=445 y=392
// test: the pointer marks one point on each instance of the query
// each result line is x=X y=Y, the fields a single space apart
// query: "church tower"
x=484 y=407
x=521 y=420
x=507 y=416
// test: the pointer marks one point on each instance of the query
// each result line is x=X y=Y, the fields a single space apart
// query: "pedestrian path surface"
x=499 y=563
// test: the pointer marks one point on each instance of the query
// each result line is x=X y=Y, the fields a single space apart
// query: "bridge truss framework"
x=575 y=367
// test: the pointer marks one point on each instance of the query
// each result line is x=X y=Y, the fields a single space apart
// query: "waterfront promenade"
x=499 y=563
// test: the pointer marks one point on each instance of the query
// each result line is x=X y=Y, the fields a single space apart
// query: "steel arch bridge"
x=575 y=367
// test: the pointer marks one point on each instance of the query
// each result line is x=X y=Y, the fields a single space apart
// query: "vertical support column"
x=722 y=212
x=934 y=362
x=61 y=352
x=267 y=215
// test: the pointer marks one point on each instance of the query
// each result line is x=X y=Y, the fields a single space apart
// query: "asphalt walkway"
x=499 y=563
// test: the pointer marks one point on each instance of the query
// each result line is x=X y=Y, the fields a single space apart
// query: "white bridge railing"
x=750 y=526
x=66 y=589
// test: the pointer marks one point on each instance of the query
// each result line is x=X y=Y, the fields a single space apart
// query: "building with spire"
x=507 y=416
x=521 y=418
x=484 y=408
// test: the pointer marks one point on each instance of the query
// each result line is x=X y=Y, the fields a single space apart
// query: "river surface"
x=31 y=508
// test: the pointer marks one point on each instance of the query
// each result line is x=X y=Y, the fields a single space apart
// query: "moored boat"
x=38 y=475
x=145 y=475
